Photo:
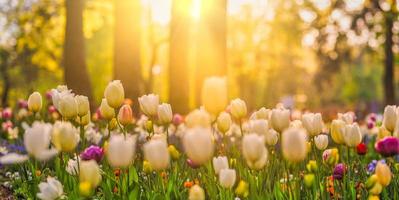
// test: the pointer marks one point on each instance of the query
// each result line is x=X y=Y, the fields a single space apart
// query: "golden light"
x=196 y=10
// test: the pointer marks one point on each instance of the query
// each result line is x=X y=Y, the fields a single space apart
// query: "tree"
x=178 y=56
x=127 y=65
x=211 y=42
x=76 y=75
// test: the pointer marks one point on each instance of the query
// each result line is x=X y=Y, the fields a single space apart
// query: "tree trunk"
x=389 y=87
x=178 y=57
x=211 y=56
x=76 y=75
x=127 y=65
x=5 y=77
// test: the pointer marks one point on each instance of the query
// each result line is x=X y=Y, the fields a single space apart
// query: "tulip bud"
x=106 y=111
x=331 y=156
x=271 y=137
x=321 y=142
x=352 y=135
x=390 y=117
x=85 y=120
x=312 y=166
x=313 y=123
x=115 y=94
x=214 y=95
x=371 y=181
x=242 y=189
x=227 y=178
x=337 y=131
x=293 y=144
x=35 y=102
x=125 y=115
x=85 y=189
x=121 y=150
x=165 y=114
x=280 y=119
x=339 y=171
x=376 y=189
x=149 y=104
x=68 y=107
x=224 y=122
x=196 y=193
x=156 y=153
x=147 y=167
x=65 y=136
x=198 y=144
x=83 y=105
x=173 y=152
x=198 y=118
x=348 y=117
x=262 y=113
x=238 y=108
x=220 y=163
x=309 y=180
x=383 y=173
x=259 y=126
x=254 y=150
x=89 y=172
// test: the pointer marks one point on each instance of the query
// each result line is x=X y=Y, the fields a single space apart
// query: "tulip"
x=50 y=190
x=83 y=105
x=165 y=114
x=224 y=122
x=348 y=117
x=238 y=108
x=262 y=113
x=371 y=181
x=312 y=166
x=198 y=118
x=361 y=149
x=390 y=117
x=280 y=119
x=68 y=107
x=37 y=141
x=121 y=150
x=93 y=153
x=157 y=154
x=84 y=120
x=383 y=173
x=331 y=156
x=64 y=136
x=125 y=115
x=220 y=163
x=35 y=102
x=227 y=178
x=294 y=144
x=321 y=142
x=254 y=150
x=147 y=167
x=196 y=193
x=149 y=104
x=106 y=111
x=89 y=172
x=259 y=126
x=352 y=135
x=85 y=189
x=177 y=119
x=296 y=124
x=198 y=144
x=173 y=152
x=339 y=171
x=337 y=131
x=309 y=180
x=58 y=94
x=388 y=146
x=115 y=94
x=313 y=123
x=72 y=166
x=214 y=95
x=242 y=189
x=271 y=137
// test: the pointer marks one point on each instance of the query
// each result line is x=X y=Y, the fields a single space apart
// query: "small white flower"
x=72 y=166
x=50 y=190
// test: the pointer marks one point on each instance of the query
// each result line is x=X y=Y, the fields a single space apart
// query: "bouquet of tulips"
x=58 y=149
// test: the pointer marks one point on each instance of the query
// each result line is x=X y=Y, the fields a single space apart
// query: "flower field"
x=53 y=147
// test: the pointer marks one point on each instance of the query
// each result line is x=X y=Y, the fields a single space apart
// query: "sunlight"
x=196 y=10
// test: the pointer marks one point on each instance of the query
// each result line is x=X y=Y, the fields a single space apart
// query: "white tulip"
x=198 y=118
x=115 y=94
x=214 y=95
x=352 y=135
x=196 y=193
x=68 y=107
x=59 y=93
x=83 y=105
x=37 y=141
x=227 y=178
x=259 y=126
x=254 y=150
x=198 y=144
x=348 y=117
x=106 y=111
x=157 y=154
x=296 y=124
x=224 y=122
x=321 y=142
x=294 y=144
x=50 y=190
x=121 y=150
x=90 y=172
x=337 y=131
x=72 y=167
x=238 y=108
x=65 y=136
x=280 y=119
x=313 y=123
x=165 y=114
x=390 y=117
x=35 y=102
x=262 y=113
x=220 y=163
x=13 y=158
x=271 y=137
x=149 y=104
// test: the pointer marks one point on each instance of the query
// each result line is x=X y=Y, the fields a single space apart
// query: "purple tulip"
x=339 y=171
x=92 y=153
x=388 y=146
x=22 y=103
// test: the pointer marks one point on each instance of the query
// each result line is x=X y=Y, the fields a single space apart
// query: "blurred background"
x=323 y=55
